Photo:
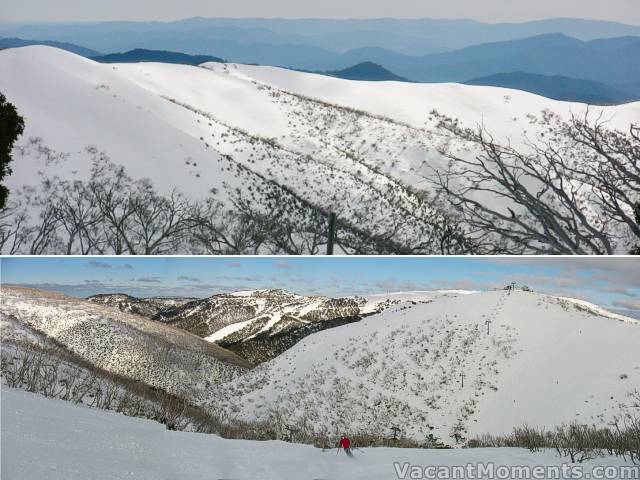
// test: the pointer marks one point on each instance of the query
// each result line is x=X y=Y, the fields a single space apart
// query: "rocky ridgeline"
x=147 y=307
x=258 y=325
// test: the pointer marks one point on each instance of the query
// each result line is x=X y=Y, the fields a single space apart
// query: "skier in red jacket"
x=345 y=444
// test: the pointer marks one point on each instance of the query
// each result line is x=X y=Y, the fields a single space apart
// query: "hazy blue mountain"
x=70 y=47
x=409 y=36
x=558 y=88
x=366 y=71
x=381 y=56
x=235 y=51
x=163 y=56
x=259 y=53
x=563 y=47
x=631 y=86
x=610 y=61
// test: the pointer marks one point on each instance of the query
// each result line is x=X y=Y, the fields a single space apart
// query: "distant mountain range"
x=552 y=65
x=147 y=307
x=256 y=325
x=69 y=47
x=143 y=55
x=558 y=88
x=236 y=38
x=366 y=71
x=608 y=61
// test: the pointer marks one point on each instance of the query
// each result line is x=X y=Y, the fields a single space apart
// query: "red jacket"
x=345 y=442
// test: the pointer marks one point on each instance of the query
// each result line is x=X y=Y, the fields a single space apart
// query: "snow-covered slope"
x=261 y=324
x=236 y=317
x=44 y=438
x=258 y=325
x=378 y=302
x=411 y=102
x=359 y=148
x=597 y=309
x=545 y=361
x=128 y=345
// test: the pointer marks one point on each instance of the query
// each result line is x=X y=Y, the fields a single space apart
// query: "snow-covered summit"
x=463 y=364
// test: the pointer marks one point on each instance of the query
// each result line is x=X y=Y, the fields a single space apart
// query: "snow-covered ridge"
x=525 y=357
x=377 y=302
x=217 y=318
x=239 y=317
x=270 y=319
x=260 y=324
x=147 y=307
x=237 y=129
x=125 y=344
x=597 y=310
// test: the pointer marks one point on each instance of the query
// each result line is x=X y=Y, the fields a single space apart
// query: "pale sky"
x=626 y=11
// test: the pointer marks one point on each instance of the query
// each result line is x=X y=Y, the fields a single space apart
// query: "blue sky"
x=611 y=282
x=487 y=10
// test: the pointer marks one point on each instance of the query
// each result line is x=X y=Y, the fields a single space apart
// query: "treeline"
x=576 y=441
x=51 y=370
x=111 y=213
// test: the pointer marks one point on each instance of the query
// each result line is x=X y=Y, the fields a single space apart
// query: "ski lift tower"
x=487 y=323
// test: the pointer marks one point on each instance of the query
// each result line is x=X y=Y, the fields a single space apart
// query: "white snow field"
x=360 y=148
x=546 y=361
x=55 y=440
x=377 y=302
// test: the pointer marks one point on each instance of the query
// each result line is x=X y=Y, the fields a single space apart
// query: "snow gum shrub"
x=533 y=438
x=458 y=431
x=51 y=370
x=575 y=441
x=11 y=127
x=578 y=442
x=573 y=188
x=636 y=211
x=171 y=412
x=111 y=213
x=625 y=438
